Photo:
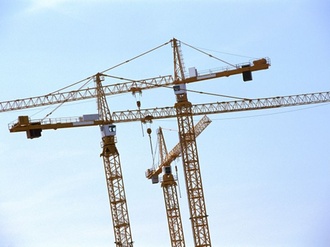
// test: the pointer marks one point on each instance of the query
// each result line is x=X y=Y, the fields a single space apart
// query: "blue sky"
x=265 y=174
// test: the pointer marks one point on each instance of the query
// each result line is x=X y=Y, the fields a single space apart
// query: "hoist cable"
x=151 y=148
x=210 y=55
x=115 y=66
x=201 y=92
x=88 y=78
x=228 y=53
x=177 y=178
x=144 y=53
x=65 y=100
x=215 y=94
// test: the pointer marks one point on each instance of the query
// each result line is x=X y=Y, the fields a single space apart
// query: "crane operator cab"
x=108 y=130
x=181 y=92
x=179 y=89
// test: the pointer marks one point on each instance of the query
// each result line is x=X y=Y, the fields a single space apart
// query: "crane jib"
x=24 y=123
x=132 y=86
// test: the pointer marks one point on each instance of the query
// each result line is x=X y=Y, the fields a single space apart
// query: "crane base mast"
x=116 y=191
x=173 y=210
x=192 y=173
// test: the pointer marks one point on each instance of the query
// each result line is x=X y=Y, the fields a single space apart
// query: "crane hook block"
x=149 y=131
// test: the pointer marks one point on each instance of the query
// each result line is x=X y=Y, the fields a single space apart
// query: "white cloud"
x=38 y=5
x=42 y=5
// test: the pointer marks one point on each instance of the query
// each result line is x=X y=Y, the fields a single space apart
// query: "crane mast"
x=187 y=139
x=171 y=200
x=172 y=209
x=113 y=172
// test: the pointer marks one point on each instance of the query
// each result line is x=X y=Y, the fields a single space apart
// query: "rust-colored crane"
x=183 y=112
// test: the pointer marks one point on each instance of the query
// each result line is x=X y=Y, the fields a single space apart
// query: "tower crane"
x=25 y=124
x=183 y=113
x=191 y=167
x=169 y=184
x=131 y=86
x=113 y=172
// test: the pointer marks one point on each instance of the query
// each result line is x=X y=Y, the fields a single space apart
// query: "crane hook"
x=149 y=131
